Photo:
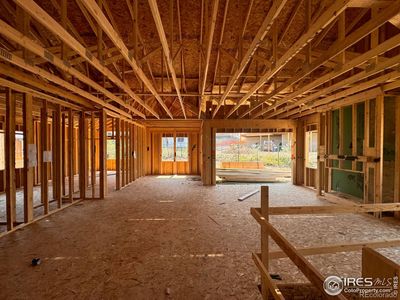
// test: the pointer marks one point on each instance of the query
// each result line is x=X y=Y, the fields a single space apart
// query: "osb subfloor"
x=171 y=238
x=38 y=208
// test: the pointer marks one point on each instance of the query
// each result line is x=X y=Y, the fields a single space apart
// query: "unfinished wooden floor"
x=171 y=235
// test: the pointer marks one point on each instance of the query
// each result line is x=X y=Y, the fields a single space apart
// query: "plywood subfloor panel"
x=165 y=233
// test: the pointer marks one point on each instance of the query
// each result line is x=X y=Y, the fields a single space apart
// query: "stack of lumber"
x=253 y=175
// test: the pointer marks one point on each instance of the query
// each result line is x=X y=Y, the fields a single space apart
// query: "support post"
x=128 y=149
x=132 y=154
x=57 y=157
x=82 y=156
x=103 y=153
x=10 y=159
x=122 y=152
x=264 y=239
x=92 y=154
x=70 y=156
x=118 y=153
x=28 y=166
x=64 y=155
x=44 y=160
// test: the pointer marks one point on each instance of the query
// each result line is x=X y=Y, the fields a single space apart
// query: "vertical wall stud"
x=28 y=167
x=10 y=159
x=103 y=153
x=44 y=154
x=118 y=153
x=70 y=155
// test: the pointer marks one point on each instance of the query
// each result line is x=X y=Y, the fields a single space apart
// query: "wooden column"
x=64 y=155
x=397 y=155
x=264 y=238
x=44 y=149
x=132 y=152
x=28 y=165
x=70 y=155
x=103 y=153
x=128 y=149
x=57 y=155
x=10 y=159
x=298 y=178
x=93 y=154
x=207 y=154
x=122 y=153
x=82 y=155
x=321 y=153
x=379 y=149
x=118 y=153
x=135 y=147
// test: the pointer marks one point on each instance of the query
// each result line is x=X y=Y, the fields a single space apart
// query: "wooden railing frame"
x=297 y=256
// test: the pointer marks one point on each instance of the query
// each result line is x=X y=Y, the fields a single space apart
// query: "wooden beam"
x=265 y=238
x=123 y=141
x=290 y=21
x=57 y=155
x=35 y=48
x=358 y=246
x=324 y=20
x=296 y=257
x=273 y=13
x=332 y=209
x=83 y=154
x=102 y=20
x=10 y=159
x=335 y=49
x=34 y=93
x=215 y=5
x=93 y=153
x=273 y=288
x=118 y=153
x=44 y=158
x=29 y=163
x=161 y=33
x=347 y=82
x=103 y=153
x=57 y=80
x=361 y=87
x=46 y=20
x=49 y=88
x=71 y=156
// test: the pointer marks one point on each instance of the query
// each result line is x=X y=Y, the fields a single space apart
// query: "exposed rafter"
x=210 y=37
x=324 y=20
x=102 y=20
x=161 y=33
x=262 y=32
x=334 y=50
x=46 y=20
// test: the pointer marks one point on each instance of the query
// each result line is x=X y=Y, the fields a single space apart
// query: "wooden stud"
x=57 y=155
x=28 y=159
x=103 y=153
x=118 y=152
x=64 y=154
x=83 y=153
x=44 y=161
x=10 y=160
x=273 y=13
x=70 y=156
x=264 y=237
x=123 y=153
x=93 y=153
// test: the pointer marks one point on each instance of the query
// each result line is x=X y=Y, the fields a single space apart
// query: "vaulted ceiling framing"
x=166 y=59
